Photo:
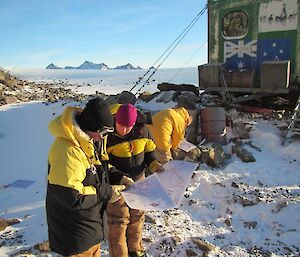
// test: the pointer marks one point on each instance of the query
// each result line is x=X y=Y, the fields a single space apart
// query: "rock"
x=1 y=91
x=242 y=153
x=179 y=154
x=43 y=247
x=244 y=201
x=203 y=245
x=126 y=97
x=279 y=206
x=193 y=155
x=188 y=101
x=190 y=252
x=11 y=222
x=213 y=155
x=13 y=90
x=228 y=222
x=192 y=201
x=149 y=219
x=147 y=240
x=147 y=96
x=235 y=185
x=176 y=239
x=239 y=129
x=250 y=224
x=177 y=87
x=3 y=224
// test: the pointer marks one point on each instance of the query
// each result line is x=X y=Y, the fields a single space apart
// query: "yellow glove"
x=116 y=193
x=156 y=166
x=126 y=181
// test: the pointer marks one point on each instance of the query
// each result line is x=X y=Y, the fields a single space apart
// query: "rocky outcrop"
x=4 y=223
x=178 y=87
x=14 y=90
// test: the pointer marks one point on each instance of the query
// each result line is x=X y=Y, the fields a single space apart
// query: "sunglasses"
x=105 y=130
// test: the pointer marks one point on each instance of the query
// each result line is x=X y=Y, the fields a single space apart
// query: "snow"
x=108 y=81
x=211 y=209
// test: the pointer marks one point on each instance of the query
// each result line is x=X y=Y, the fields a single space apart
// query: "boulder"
x=242 y=153
x=213 y=155
x=178 y=87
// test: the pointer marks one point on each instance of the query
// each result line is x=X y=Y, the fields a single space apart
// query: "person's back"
x=168 y=130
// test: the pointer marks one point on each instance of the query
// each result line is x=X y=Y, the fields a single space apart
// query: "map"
x=163 y=190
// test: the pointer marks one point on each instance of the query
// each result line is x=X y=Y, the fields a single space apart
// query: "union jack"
x=241 y=49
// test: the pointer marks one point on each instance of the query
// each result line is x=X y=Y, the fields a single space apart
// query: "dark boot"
x=137 y=254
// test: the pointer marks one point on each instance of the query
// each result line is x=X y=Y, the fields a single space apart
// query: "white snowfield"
x=245 y=209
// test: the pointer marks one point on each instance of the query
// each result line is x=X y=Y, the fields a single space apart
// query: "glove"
x=126 y=181
x=156 y=166
x=116 y=193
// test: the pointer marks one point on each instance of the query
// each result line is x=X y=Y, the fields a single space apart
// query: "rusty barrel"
x=213 y=124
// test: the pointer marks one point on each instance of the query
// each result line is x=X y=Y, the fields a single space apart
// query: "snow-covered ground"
x=108 y=81
x=244 y=209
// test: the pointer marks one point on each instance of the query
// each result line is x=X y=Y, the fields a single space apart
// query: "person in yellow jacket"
x=78 y=187
x=130 y=150
x=125 y=97
x=168 y=129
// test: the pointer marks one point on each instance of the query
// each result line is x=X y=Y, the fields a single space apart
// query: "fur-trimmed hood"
x=65 y=126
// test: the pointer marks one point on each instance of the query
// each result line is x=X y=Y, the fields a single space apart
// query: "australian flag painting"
x=240 y=54
x=273 y=50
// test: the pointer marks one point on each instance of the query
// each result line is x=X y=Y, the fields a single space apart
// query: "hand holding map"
x=161 y=191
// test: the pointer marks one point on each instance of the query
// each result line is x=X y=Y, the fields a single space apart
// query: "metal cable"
x=196 y=52
x=180 y=37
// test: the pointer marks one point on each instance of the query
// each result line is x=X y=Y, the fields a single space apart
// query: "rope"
x=179 y=39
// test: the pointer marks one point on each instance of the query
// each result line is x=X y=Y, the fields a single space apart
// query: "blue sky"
x=35 y=33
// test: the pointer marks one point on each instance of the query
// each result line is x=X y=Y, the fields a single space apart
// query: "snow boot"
x=137 y=254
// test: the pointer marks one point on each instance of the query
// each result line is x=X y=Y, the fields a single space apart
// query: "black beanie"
x=95 y=115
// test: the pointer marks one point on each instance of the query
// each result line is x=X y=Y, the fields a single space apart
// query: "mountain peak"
x=88 y=65
x=127 y=66
x=52 y=66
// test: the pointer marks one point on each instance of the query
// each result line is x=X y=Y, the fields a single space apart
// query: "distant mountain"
x=92 y=66
x=127 y=66
x=51 y=66
x=87 y=65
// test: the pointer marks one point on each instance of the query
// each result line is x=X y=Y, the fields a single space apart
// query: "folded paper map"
x=163 y=190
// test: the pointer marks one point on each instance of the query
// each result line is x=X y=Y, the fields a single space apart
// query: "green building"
x=254 y=45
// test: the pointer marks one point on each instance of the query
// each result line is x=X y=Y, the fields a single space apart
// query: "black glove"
x=115 y=176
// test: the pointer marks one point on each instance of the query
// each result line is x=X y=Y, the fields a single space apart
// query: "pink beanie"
x=126 y=115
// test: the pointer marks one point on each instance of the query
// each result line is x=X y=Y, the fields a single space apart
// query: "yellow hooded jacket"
x=75 y=193
x=168 y=128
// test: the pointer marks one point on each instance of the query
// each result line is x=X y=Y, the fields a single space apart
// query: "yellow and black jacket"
x=75 y=192
x=132 y=153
